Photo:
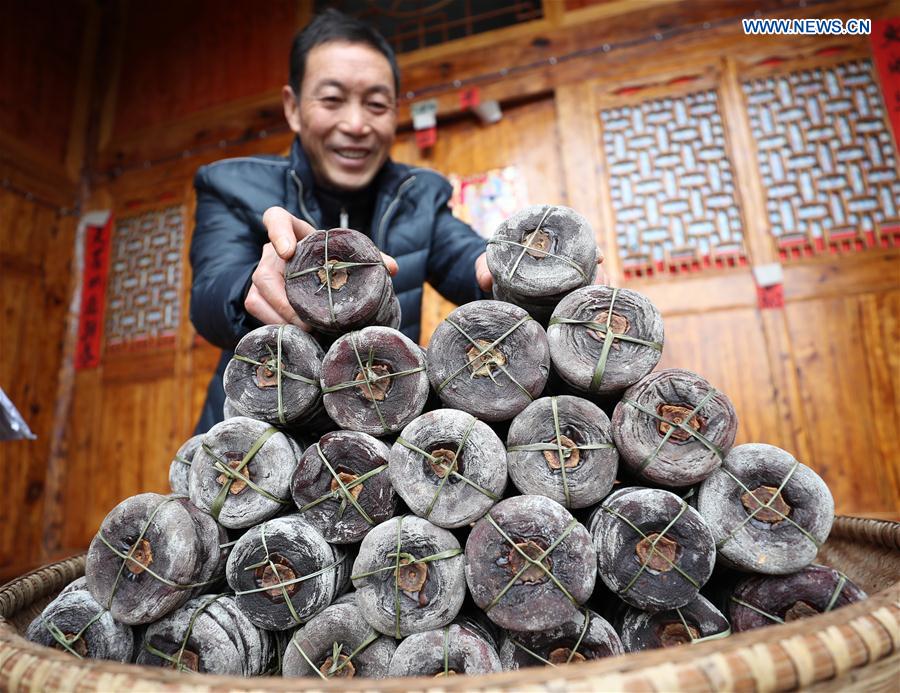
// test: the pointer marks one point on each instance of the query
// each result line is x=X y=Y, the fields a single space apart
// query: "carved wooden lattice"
x=826 y=158
x=145 y=278
x=672 y=185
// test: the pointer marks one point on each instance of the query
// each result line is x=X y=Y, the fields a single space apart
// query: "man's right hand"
x=267 y=299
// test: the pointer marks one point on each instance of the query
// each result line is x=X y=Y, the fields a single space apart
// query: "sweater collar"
x=300 y=188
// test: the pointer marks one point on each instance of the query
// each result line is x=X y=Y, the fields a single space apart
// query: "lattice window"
x=826 y=157
x=145 y=277
x=672 y=185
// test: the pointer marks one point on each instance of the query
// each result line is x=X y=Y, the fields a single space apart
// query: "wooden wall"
x=39 y=87
x=818 y=376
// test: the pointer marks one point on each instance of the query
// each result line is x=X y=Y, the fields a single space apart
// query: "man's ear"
x=291 y=108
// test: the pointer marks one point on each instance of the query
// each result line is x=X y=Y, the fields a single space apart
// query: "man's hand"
x=486 y=280
x=600 y=275
x=482 y=274
x=267 y=299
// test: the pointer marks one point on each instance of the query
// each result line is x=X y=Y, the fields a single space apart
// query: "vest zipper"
x=380 y=236
x=303 y=209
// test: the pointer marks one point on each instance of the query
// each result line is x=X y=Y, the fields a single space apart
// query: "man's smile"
x=351 y=153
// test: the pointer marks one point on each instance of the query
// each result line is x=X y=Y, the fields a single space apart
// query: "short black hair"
x=333 y=25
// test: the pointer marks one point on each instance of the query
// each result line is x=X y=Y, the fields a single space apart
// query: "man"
x=251 y=211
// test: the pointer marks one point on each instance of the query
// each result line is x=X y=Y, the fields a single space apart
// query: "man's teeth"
x=352 y=153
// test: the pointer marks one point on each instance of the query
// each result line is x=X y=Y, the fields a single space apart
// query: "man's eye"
x=377 y=106
x=331 y=101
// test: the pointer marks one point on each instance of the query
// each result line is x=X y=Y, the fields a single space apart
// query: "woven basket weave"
x=854 y=648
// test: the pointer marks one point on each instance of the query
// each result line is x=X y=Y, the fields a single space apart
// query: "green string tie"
x=335 y=655
x=369 y=378
x=529 y=561
x=343 y=489
x=328 y=268
x=66 y=643
x=683 y=426
x=399 y=555
x=481 y=352
x=366 y=370
x=584 y=629
x=274 y=363
x=646 y=562
x=235 y=474
x=563 y=451
x=715 y=636
x=176 y=660
x=448 y=468
x=609 y=338
x=126 y=557
x=527 y=246
x=283 y=584
x=766 y=506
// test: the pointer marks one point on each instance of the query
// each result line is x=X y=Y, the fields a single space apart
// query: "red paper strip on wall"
x=93 y=295
x=886 y=51
x=469 y=98
x=426 y=138
x=768 y=297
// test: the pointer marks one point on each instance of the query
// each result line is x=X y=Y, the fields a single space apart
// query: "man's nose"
x=355 y=120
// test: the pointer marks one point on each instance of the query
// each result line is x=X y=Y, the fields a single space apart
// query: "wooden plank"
x=727 y=347
x=834 y=275
x=699 y=292
x=584 y=168
x=184 y=353
x=75 y=148
x=204 y=359
x=751 y=197
x=850 y=404
x=83 y=470
x=38 y=74
x=786 y=395
x=68 y=278
x=33 y=285
x=554 y=12
x=138 y=365
x=23 y=266
x=21 y=173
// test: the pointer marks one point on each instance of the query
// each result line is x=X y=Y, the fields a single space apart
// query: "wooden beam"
x=305 y=12
x=57 y=463
x=108 y=91
x=553 y=11
x=184 y=351
x=584 y=168
x=75 y=151
x=758 y=241
x=47 y=185
x=610 y=8
x=528 y=71
x=239 y=120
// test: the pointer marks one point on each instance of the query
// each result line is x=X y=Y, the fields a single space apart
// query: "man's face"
x=347 y=116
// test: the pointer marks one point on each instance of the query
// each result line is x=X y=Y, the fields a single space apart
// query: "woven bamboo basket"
x=854 y=648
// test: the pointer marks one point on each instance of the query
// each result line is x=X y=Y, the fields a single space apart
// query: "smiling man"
x=342 y=104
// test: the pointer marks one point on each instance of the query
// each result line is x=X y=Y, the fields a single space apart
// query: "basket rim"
x=856 y=635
